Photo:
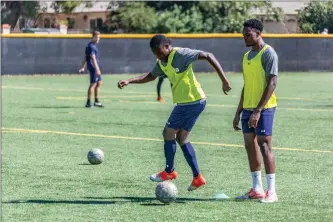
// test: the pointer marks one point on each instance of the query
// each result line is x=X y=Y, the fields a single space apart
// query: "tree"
x=229 y=16
x=13 y=10
x=212 y=16
x=65 y=6
x=68 y=7
x=316 y=16
x=188 y=16
x=169 y=5
x=132 y=17
x=177 y=20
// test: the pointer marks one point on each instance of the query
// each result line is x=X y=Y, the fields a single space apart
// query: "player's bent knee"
x=264 y=144
x=169 y=134
x=249 y=144
x=182 y=137
x=93 y=85
x=180 y=141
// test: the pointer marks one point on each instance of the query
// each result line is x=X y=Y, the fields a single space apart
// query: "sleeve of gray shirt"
x=270 y=62
x=157 y=71
x=184 y=57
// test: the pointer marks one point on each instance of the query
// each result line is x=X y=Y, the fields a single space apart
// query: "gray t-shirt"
x=181 y=61
x=269 y=61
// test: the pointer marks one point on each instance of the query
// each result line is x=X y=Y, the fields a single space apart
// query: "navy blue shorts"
x=184 y=116
x=265 y=123
x=93 y=77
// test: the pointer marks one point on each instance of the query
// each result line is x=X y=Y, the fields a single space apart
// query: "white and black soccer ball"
x=166 y=192
x=95 y=156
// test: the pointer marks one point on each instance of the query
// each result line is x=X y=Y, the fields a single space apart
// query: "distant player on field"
x=257 y=106
x=190 y=100
x=91 y=59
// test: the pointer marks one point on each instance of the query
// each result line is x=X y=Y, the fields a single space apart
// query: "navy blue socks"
x=191 y=158
x=169 y=152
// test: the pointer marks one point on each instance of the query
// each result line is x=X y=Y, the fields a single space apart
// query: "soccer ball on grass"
x=166 y=192
x=95 y=156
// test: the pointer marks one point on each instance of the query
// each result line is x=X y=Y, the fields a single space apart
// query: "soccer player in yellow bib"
x=257 y=106
x=190 y=100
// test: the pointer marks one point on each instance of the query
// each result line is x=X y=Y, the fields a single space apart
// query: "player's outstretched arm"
x=147 y=77
x=216 y=65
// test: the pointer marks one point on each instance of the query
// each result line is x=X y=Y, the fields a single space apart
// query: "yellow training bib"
x=185 y=88
x=255 y=82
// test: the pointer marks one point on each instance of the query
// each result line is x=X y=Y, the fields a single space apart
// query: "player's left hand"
x=81 y=70
x=254 y=119
x=235 y=122
x=226 y=87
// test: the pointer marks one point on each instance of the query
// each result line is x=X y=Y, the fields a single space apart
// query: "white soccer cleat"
x=155 y=177
x=270 y=197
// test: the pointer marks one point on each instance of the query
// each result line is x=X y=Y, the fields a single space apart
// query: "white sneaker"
x=99 y=104
x=270 y=197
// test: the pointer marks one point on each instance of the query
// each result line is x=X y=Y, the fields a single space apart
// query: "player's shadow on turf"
x=148 y=201
x=56 y=107
x=59 y=202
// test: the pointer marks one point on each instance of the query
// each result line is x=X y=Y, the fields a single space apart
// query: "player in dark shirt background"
x=91 y=59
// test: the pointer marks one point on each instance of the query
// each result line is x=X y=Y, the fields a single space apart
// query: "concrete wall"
x=133 y=55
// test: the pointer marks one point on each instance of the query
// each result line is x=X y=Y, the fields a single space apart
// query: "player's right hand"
x=122 y=83
x=236 y=122
x=226 y=87
x=81 y=70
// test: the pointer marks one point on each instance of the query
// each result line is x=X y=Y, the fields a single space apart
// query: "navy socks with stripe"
x=191 y=158
x=169 y=152
x=189 y=154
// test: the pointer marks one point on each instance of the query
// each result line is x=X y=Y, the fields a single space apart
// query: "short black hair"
x=254 y=23
x=158 y=40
